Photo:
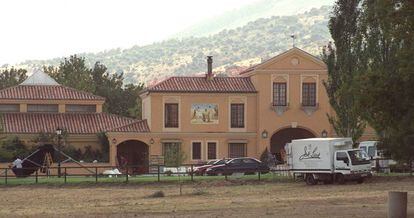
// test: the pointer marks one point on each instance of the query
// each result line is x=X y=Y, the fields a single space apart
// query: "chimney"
x=209 y=67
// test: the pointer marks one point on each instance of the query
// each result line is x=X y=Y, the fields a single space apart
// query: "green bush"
x=11 y=147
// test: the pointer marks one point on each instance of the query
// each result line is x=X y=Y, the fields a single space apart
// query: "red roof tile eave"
x=202 y=91
x=74 y=123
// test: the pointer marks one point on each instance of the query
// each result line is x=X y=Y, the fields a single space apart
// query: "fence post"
x=158 y=166
x=36 y=174
x=5 y=178
x=258 y=173
x=96 y=174
x=126 y=174
x=192 y=173
x=65 y=175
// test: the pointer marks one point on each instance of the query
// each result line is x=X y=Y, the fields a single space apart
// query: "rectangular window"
x=9 y=108
x=79 y=108
x=171 y=153
x=51 y=108
x=279 y=94
x=196 y=148
x=171 y=115
x=309 y=94
x=211 y=150
x=237 y=150
x=237 y=116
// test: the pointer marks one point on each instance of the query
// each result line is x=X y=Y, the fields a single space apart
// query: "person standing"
x=17 y=163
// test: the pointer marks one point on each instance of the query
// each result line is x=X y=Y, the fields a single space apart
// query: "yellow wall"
x=259 y=115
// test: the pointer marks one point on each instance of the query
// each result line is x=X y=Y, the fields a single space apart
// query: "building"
x=206 y=117
x=210 y=117
x=41 y=105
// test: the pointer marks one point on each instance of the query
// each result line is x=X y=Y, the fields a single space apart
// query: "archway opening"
x=133 y=154
x=284 y=136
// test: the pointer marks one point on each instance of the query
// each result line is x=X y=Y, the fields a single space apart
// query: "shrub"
x=11 y=147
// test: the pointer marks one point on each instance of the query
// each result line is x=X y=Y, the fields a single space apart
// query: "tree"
x=386 y=91
x=73 y=72
x=175 y=157
x=12 y=77
x=121 y=99
x=344 y=63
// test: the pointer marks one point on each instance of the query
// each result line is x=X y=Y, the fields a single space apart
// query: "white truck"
x=376 y=156
x=328 y=160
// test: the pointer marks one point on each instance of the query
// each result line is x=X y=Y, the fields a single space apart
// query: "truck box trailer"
x=327 y=160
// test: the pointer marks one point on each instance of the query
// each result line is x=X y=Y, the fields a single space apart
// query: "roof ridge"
x=85 y=92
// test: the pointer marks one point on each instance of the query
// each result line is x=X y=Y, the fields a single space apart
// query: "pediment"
x=293 y=59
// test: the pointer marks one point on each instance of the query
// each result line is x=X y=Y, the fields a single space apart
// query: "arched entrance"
x=281 y=137
x=133 y=153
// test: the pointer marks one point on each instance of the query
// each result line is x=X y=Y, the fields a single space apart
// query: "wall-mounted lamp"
x=265 y=134
x=324 y=134
x=114 y=141
x=59 y=131
x=151 y=141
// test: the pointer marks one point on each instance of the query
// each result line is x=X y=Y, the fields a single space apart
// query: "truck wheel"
x=360 y=180
x=310 y=180
x=340 y=178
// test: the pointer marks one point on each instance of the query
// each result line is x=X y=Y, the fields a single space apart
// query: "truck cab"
x=351 y=164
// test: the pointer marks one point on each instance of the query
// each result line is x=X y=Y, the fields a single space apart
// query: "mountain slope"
x=251 y=12
x=243 y=46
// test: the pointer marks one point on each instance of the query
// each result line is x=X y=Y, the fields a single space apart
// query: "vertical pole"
x=96 y=174
x=59 y=170
x=126 y=175
x=5 y=178
x=158 y=172
x=192 y=173
x=258 y=174
x=397 y=204
x=65 y=175
x=36 y=175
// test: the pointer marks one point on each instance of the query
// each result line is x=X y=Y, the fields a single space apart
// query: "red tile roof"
x=74 y=123
x=203 y=85
x=46 y=92
x=137 y=126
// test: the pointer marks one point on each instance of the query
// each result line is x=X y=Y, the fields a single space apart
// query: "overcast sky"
x=52 y=28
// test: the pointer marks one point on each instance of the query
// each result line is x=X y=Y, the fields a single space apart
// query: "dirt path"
x=213 y=199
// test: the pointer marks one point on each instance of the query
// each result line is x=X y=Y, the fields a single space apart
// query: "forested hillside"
x=242 y=46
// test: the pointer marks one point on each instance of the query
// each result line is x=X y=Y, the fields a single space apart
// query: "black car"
x=244 y=165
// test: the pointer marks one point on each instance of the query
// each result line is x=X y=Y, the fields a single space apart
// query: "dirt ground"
x=206 y=199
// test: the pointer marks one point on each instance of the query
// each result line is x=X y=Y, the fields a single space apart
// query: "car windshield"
x=218 y=162
x=371 y=151
x=211 y=162
x=358 y=157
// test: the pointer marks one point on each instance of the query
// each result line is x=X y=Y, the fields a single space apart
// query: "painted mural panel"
x=204 y=114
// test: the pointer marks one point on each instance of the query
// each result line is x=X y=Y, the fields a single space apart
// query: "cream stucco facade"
x=262 y=119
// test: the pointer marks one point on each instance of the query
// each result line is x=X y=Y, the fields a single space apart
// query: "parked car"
x=201 y=170
x=244 y=165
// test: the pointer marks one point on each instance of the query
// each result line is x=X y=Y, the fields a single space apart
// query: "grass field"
x=54 y=180
x=205 y=198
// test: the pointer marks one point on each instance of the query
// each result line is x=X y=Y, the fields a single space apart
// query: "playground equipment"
x=42 y=159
